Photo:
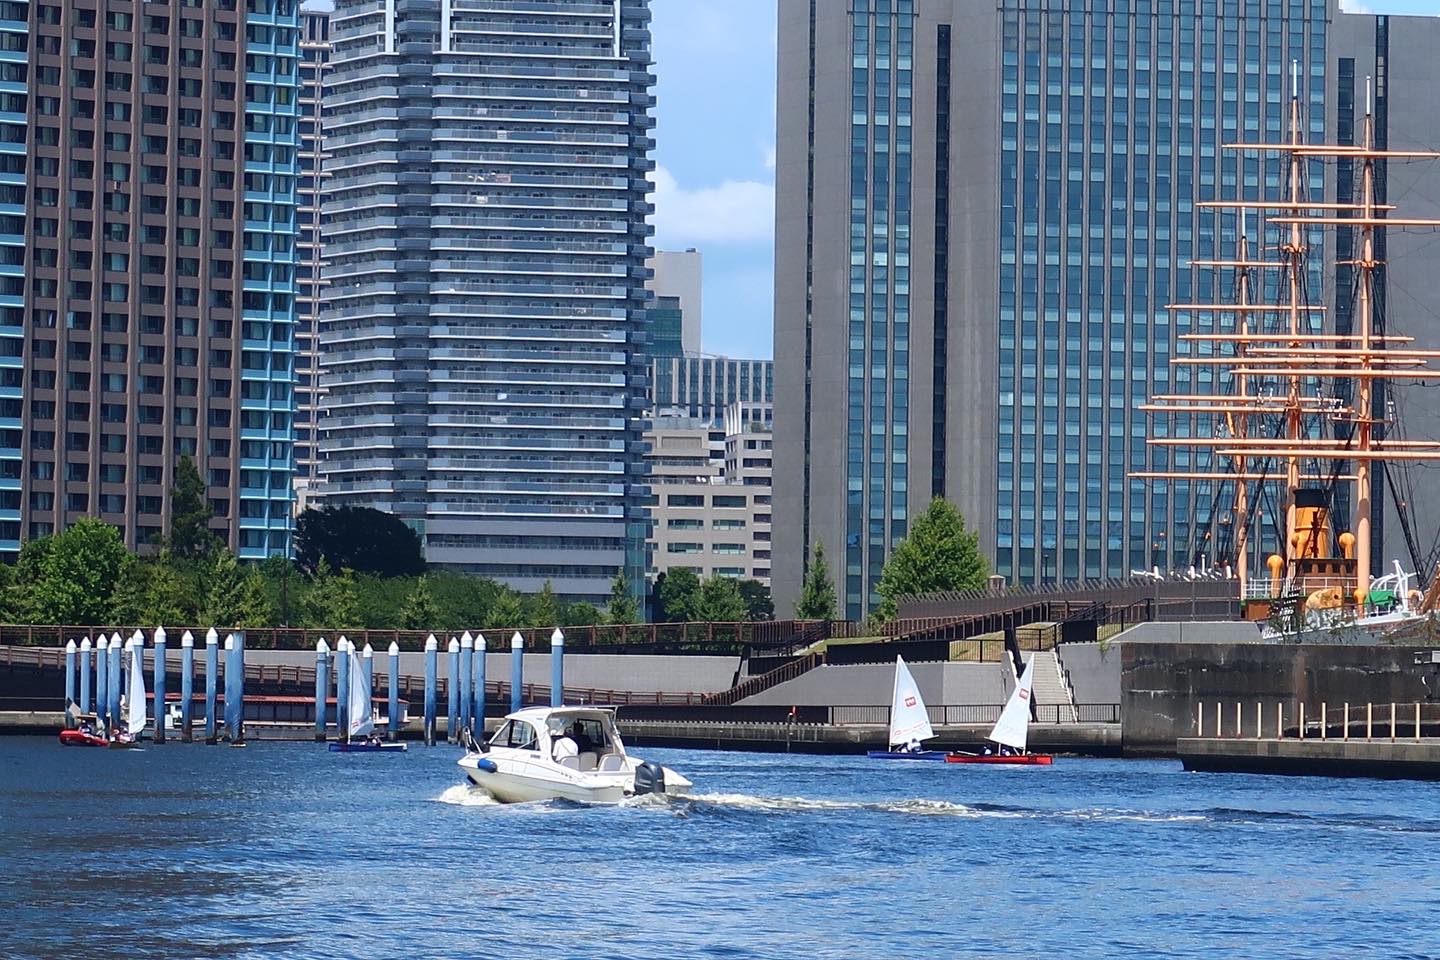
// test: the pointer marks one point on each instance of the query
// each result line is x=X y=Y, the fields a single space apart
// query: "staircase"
x=1052 y=694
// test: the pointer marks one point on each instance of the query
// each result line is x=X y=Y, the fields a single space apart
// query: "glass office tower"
x=983 y=211
x=483 y=327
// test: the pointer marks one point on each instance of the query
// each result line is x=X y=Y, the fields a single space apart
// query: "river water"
x=284 y=850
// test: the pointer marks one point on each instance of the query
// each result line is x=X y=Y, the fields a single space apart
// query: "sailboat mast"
x=1364 y=415
x=1239 y=423
x=1295 y=260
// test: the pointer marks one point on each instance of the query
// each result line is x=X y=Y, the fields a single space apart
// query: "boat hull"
x=933 y=755
x=1023 y=760
x=510 y=781
x=368 y=747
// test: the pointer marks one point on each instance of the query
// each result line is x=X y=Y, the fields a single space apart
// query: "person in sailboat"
x=913 y=746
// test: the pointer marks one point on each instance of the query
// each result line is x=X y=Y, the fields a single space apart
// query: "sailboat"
x=360 y=717
x=1011 y=730
x=134 y=701
x=909 y=721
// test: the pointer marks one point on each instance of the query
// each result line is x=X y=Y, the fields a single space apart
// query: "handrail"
x=753 y=685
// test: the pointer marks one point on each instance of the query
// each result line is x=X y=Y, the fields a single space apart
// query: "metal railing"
x=977 y=714
x=1283 y=719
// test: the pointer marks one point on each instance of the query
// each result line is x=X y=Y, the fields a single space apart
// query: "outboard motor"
x=649 y=778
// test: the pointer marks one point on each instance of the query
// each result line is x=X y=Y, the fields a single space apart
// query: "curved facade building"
x=483 y=322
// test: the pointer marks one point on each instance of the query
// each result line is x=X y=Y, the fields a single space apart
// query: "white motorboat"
x=569 y=753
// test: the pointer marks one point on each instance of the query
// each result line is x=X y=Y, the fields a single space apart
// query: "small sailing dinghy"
x=909 y=721
x=362 y=719
x=134 y=702
x=1011 y=731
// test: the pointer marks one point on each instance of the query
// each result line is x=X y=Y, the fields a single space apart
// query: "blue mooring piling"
x=557 y=668
x=517 y=669
x=467 y=676
x=102 y=681
x=187 y=686
x=342 y=689
x=230 y=698
x=322 y=686
x=432 y=654
x=115 y=661
x=212 y=676
x=85 y=675
x=452 y=691
x=159 y=672
x=393 y=727
x=70 y=678
x=479 y=687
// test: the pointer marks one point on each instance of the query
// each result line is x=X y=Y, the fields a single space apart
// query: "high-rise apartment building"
x=704 y=387
x=314 y=62
x=149 y=166
x=983 y=212
x=483 y=326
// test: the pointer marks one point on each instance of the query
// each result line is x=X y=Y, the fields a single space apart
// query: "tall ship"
x=1296 y=420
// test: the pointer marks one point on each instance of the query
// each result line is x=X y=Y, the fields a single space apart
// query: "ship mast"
x=1290 y=358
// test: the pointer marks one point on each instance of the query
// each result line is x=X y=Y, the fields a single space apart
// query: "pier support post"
x=452 y=691
x=70 y=680
x=467 y=676
x=1280 y=721
x=1369 y=720
x=240 y=685
x=1345 y=734
x=1200 y=719
x=517 y=669
x=1219 y=728
x=102 y=683
x=432 y=654
x=212 y=671
x=1417 y=721
x=343 y=651
x=159 y=673
x=115 y=646
x=1324 y=720
x=1302 y=719
x=1259 y=727
x=392 y=729
x=85 y=675
x=367 y=662
x=1392 y=721
x=187 y=686
x=557 y=668
x=1239 y=727
x=478 y=688
x=231 y=698
x=322 y=686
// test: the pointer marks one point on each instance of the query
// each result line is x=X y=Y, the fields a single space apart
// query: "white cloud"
x=736 y=211
x=769 y=153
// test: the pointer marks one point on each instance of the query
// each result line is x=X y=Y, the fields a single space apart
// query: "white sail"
x=909 y=720
x=135 y=719
x=361 y=722
x=1014 y=722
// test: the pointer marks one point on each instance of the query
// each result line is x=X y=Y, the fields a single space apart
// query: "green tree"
x=363 y=539
x=507 y=612
x=190 y=534
x=234 y=597
x=758 y=604
x=817 y=591
x=720 y=601
x=463 y=600
x=543 y=610
x=622 y=608
x=679 y=595
x=581 y=613
x=77 y=574
x=938 y=554
x=331 y=600
x=421 y=611
x=167 y=596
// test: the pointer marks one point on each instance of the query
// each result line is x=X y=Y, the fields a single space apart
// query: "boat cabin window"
x=588 y=734
x=519 y=734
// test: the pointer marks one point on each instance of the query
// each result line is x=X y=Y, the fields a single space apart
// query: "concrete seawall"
x=1163 y=684
x=1390 y=760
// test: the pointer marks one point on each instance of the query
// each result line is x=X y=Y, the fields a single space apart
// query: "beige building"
x=710 y=494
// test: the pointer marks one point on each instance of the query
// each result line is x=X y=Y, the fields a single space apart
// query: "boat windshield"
x=587 y=732
x=518 y=734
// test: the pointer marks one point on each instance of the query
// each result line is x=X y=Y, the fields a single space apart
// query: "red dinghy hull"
x=1023 y=760
x=74 y=738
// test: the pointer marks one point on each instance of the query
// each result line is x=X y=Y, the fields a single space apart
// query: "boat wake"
x=464 y=795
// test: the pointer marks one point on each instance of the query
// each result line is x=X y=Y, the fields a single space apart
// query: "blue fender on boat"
x=487 y=766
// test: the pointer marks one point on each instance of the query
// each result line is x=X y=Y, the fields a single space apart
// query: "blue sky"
x=715 y=138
